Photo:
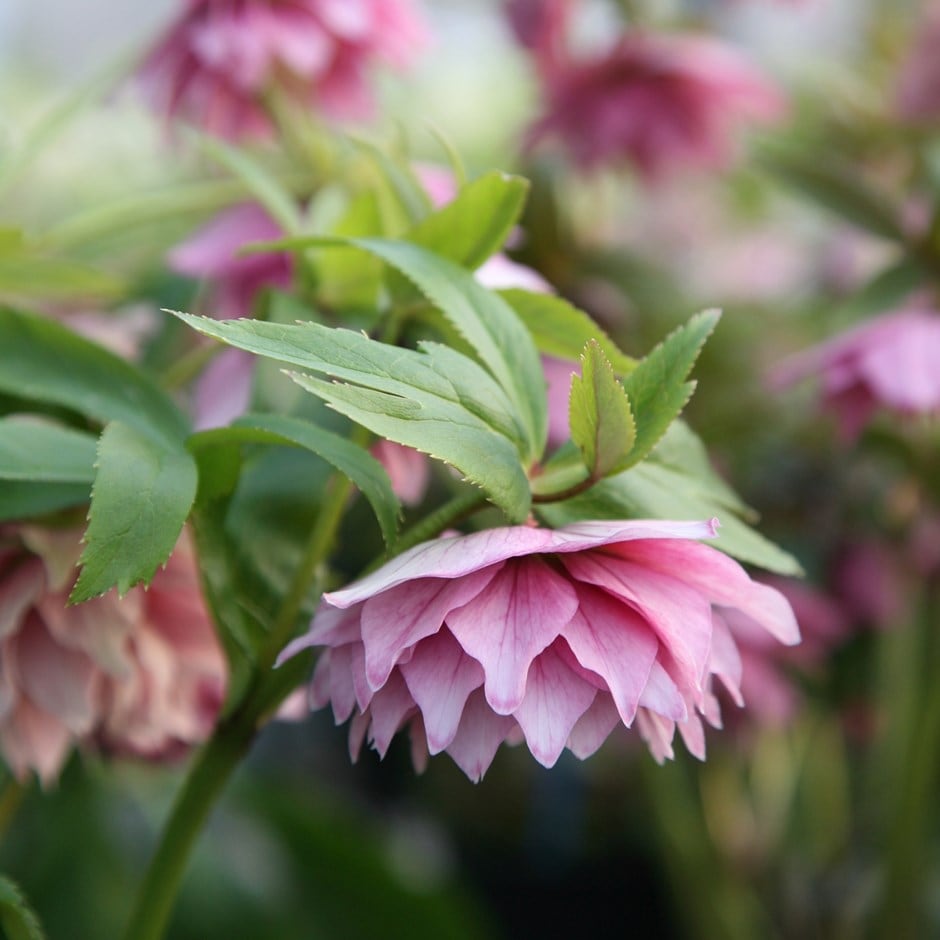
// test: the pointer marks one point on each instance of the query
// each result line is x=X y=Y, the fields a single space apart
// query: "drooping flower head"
x=892 y=361
x=220 y=58
x=551 y=636
x=143 y=675
x=658 y=102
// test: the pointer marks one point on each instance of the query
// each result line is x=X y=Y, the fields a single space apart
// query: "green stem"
x=207 y=778
x=911 y=822
x=11 y=796
x=189 y=365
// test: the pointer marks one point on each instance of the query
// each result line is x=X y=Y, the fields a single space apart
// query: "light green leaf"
x=433 y=399
x=657 y=387
x=476 y=223
x=16 y=917
x=350 y=459
x=265 y=187
x=442 y=431
x=43 y=361
x=28 y=274
x=43 y=452
x=560 y=329
x=142 y=494
x=599 y=415
x=400 y=186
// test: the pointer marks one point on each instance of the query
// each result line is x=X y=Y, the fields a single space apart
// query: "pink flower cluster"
x=891 y=361
x=220 y=58
x=143 y=675
x=918 y=90
x=660 y=102
x=549 y=636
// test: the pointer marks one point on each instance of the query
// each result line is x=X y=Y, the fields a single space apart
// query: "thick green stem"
x=209 y=774
x=910 y=823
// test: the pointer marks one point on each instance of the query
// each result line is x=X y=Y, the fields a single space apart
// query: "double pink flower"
x=549 y=636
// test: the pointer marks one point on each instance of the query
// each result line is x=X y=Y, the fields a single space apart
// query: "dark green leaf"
x=657 y=387
x=561 y=329
x=357 y=464
x=476 y=223
x=43 y=452
x=142 y=495
x=599 y=415
x=20 y=499
x=16 y=918
x=44 y=361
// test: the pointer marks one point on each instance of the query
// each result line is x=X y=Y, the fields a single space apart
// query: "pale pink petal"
x=613 y=641
x=657 y=732
x=223 y=391
x=594 y=726
x=725 y=660
x=342 y=689
x=357 y=733
x=319 y=688
x=33 y=740
x=19 y=590
x=693 y=734
x=392 y=622
x=479 y=736
x=662 y=696
x=441 y=676
x=520 y=612
x=555 y=698
x=389 y=708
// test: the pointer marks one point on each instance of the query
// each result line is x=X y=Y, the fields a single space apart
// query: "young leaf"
x=561 y=329
x=672 y=483
x=142 y=494
x=599 y=415
x=43 y=452
x=17 y=920
x=476 y=223
x=657 y=388
x=44 y=361
x=357 y=464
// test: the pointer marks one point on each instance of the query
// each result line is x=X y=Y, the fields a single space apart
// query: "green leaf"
x=599 y=415
x=672 y=484
x=831 y=182
x=560 y=329
x=16 y=917
x=357 y=464
x=43 y=361
x=29 y=275
x=657 y=387
x=433 y=399
x=266 y=189
x=476 y=223
x=486 y=321
x=401 y=186
x=142 y=495
x=42 y=452
x=20 y=499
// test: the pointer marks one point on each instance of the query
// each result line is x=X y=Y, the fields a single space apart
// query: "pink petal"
x=479 y=736
x=662 y=696
x=19 y=590
x=721 y=579
x=594 y=726
x=393 y=621
x=612 y=640
x=441 y=676
x=657 y=732
x=520 y=612
x=342 y=690
x=33 y=740
x=693 y=734
x=389 y=708
x=679 y=614
x=555 y=698
x=725 y=660
x=459 y=555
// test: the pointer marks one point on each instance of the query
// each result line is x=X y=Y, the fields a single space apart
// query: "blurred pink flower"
x=143 y=675
x=918 y=89
x=891 y=361
x=549 y=636
x=212 y=253
x=660 y=102
x=541 y=26
x=220 y=58
x=406 y=467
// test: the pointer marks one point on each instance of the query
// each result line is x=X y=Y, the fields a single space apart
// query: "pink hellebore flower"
x=212 y=253
x=143 y=675
x=918 y=90
x=659 y=102
x=221 y=57
x=551 y=636
x=891 y=361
